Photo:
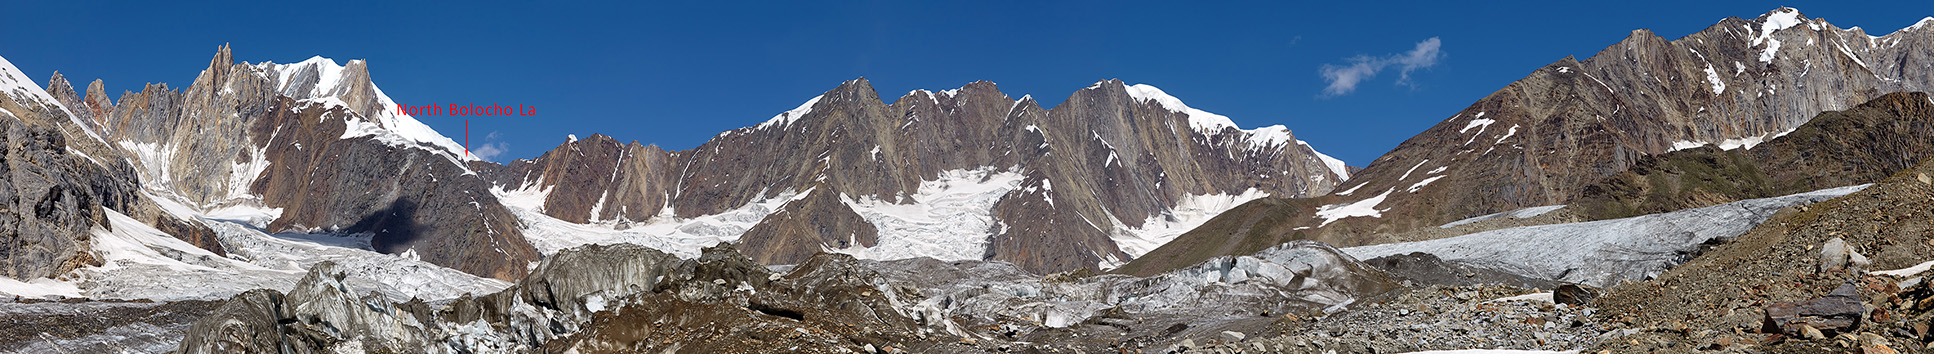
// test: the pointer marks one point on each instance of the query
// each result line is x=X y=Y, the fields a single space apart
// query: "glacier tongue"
x=135 y=255
x=951 y=217
x=1603 y=253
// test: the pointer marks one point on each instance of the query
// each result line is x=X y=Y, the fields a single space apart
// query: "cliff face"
x=1544 y=139
x=1093 y=170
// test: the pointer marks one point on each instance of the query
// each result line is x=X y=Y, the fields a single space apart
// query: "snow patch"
x=1406 y=173
x=950 y=218
x=1906 y=272
x=683 y=237
x=1782 y=19
x=1187 y=214
x=1425 y=182
x=1718 y=87
x=1366 y=207
x=1507 y=135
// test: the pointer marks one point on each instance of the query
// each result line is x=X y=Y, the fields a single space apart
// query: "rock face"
x=1109 y=162
x=1544 y=139
x=48 y=209
x=410 y=199
x=1864 y=144
x=804 y=226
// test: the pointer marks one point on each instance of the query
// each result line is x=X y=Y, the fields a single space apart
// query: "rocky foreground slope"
x=1876 y=244
x=627 y=298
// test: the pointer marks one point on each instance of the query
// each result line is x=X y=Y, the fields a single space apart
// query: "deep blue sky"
x=676 y=74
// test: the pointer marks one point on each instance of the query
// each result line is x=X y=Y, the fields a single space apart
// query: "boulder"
x=1838 y=312
x=1574 y=294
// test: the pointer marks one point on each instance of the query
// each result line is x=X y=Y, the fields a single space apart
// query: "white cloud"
x=1344 y=78
x=489 y=151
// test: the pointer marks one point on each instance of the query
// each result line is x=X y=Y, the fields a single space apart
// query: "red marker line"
x=466 y=137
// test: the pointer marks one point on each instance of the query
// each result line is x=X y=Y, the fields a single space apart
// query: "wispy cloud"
x=1344 y=78
x=490 y=151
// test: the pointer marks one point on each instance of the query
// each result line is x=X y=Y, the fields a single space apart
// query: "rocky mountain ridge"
x=1111 y=161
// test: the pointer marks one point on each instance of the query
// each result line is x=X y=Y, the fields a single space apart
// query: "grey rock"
x=319 y=315
x=1232 y=336
x=47 y=207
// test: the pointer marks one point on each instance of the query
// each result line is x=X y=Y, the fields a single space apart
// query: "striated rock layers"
x=1109 y=159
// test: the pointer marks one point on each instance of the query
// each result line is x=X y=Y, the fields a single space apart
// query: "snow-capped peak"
x=1205 y=122
x=1918 y=25
x=1202 y=121
x=1774 y=21
x=385 y=123
x=1780 y=19
x=786 y=118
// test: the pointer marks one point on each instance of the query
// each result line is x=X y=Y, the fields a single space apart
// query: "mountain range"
x=271 y=207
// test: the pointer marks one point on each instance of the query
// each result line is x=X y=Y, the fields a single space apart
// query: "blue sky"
x=675 y=74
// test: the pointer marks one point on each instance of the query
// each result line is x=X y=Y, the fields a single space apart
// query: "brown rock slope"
x=1841 y=148
x=1724 y=293
x=1543 y=139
